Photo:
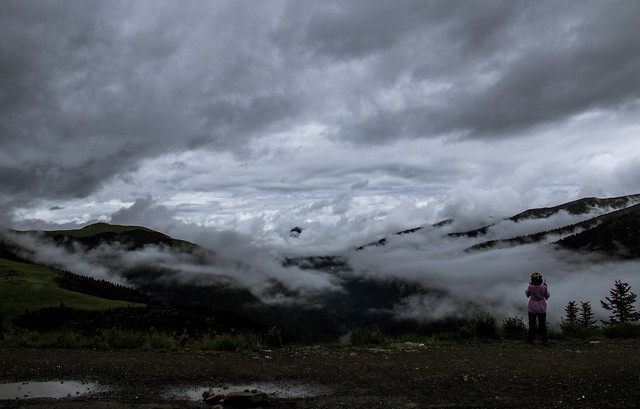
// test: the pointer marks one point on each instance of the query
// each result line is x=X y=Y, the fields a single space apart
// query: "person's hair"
x=536 y=280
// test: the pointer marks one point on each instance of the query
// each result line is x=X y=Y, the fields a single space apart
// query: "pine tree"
x=621 y=303
x=572 y=312
x=586 y=315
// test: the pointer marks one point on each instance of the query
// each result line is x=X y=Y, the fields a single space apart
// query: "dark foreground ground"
x=604 y=375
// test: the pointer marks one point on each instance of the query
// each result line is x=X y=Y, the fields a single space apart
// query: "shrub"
x=126 y=340
x=575 y=331
x=367 y=337
x=273 y=338
x=53 y=339
x=225 y=342
x=570 y=327
x=160 y=342
x=622 y=330
x=229 y=342
x=206 y=343
x=483 y=326
x=116 y=339
x=514 y=328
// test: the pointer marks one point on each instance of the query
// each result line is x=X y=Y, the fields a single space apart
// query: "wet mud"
x=510 y=375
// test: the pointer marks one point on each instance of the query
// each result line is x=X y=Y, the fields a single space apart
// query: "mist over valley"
x=408 y=281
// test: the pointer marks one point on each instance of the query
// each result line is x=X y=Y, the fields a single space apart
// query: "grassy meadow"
x=31 y=287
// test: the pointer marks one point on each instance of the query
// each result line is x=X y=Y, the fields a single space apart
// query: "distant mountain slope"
x=613 y=233
x=580 y=206
x=99 y=228
x=383 y=240
x=576 y=207
x=616 y=233
x=132 y=237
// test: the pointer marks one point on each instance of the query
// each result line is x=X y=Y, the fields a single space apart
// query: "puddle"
x=276 y=390
x=54 y=389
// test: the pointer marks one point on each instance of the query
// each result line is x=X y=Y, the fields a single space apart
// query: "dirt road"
x=604 y=375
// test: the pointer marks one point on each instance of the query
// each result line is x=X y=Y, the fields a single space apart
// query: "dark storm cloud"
x=73 y=112
x=506 y=67
x=90 y=90
x=563 y=71
x=349 y=30
x=357 y=29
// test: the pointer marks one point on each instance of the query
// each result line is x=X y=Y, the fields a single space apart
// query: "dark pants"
x=542 y=326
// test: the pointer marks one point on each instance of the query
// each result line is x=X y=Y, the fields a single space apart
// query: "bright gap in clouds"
x=311 y=178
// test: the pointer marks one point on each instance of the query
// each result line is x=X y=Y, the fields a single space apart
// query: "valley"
x=414 y=281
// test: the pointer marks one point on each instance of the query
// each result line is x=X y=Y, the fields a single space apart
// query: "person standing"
x=538 y=294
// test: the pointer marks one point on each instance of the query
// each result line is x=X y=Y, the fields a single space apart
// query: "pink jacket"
x=538 y=294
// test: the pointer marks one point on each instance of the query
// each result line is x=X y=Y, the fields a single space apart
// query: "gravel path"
x=603 y=375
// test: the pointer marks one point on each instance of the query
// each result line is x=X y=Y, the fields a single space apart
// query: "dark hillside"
x=324 y=263
x=130 y=237
x=11 y=251
x=165 y=284
x=535 y=237
x=297 y=322
x=577 y=207
x=370 y=301
x=471 y=233
x=94 y=229
x=383 y=240
x=100 y=288
x=618 y=235
x=580 y=206
x=366 y=301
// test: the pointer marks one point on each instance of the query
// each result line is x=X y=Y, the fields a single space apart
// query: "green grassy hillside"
x=31 y=287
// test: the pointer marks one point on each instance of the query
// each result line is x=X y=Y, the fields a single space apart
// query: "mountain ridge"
x=586 y=228
x=575 y=207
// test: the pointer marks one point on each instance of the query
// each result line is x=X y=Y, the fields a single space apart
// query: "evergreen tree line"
x=620 y=304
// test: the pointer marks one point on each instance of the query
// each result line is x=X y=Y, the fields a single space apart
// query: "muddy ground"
x=510 y=375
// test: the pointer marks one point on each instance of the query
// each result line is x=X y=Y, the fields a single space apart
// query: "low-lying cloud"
x=235 y=263
x=490 y=280
x=456 y=282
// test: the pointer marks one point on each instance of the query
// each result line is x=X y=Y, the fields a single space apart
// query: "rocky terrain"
x=507 y=375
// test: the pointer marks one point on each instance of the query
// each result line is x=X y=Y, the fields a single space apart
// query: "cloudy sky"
x=347 y=118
